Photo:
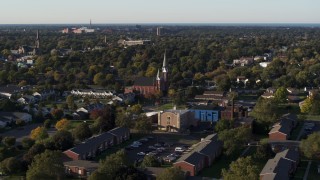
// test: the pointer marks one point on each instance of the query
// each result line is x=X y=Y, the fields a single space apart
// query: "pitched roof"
x=192 y=158
x=280 y=128
x=277 y=166
x=217 y=93
x=92 y=142
x=203 y=107
x=289 y=154
x=144 y=81
x=119 y=131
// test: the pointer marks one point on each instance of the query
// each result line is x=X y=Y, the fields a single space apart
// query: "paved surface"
x=20 y=133
x=300 y=133
x=245 y=151
x=307 y=171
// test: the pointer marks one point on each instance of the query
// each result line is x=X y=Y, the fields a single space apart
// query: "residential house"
x=80 y=168
x=201 y=156
x=243 y=61
x=292 y=91
x=282 y=130
x=206 y=113
x=282 y=166
x=12 y=117
x=176 y=120
x=26 y=99
x=81 y=114
x=9 y=90
x=267 y=95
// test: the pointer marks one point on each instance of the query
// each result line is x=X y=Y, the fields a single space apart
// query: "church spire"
x=164 y=68
x=158 y=75
x=37 y=43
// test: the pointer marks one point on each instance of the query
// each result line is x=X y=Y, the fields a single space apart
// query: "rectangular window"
x=168 y=120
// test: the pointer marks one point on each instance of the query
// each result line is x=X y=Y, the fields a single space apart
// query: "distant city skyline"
x=164 y=11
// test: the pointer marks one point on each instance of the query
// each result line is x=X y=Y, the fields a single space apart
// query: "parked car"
x=143 y=140
x=141 y=153
x=179 y=149
x=169 y=159
x=137 y=142
x=157 y=145
x=135 y=145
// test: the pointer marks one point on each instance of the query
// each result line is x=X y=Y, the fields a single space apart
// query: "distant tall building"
x=105 y=39
x=90 y=24
x=37 y=42
x=159 y=31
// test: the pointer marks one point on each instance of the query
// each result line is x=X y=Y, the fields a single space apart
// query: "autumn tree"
x=243 y=168
x=39 y=133
x=63 y=124
x=47 y=165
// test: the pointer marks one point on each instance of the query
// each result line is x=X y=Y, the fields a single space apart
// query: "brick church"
x=152 y=85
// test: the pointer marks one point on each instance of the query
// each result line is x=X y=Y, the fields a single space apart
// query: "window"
x=168 y=120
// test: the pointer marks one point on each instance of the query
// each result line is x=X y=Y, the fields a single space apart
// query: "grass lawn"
x=74 y=123
x=170 y=106
x=313 y=117
x=296 y=131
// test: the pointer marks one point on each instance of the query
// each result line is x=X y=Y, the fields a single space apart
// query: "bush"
x=27 y=143
x=9 y=141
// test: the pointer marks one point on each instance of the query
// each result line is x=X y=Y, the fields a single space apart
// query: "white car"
x=152 y=147
x=137 y=142
x=179 y=149
x=141 y=153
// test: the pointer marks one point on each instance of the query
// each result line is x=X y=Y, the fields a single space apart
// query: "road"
x=20 y=133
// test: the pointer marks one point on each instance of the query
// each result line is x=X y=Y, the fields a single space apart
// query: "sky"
x=158 y=11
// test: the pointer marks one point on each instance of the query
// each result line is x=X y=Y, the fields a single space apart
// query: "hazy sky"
x=159 y=11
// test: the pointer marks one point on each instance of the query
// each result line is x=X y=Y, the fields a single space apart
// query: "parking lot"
x=161 y=146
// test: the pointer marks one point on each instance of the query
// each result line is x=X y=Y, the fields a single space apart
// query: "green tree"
x=266 y=112
x=173 y=173
x=143 y=124
x=10 y=165
x=9 y=141
x=27 y=142
x=98 y=78
x=242 y=169
x=109 y=167
x=311 y=146
x=223 y=124
x=47 y=123
x=34 y=150
x=234 y=138
x=150 y=161
x=124 y=119
x=136 y=109
x=62 y=140
x=281 y=95
x=47 y=165
x=70 y=102
x=82 y=131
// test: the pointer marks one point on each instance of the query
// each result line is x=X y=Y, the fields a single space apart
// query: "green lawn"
x=170 y=106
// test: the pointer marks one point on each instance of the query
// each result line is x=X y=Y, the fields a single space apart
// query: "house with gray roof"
x=202 y=155
x=282 y=166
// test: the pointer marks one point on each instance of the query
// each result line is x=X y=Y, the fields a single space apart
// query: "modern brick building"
x=176 y=120
x=80 y=168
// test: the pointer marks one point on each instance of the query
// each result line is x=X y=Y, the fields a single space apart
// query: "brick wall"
x=186 y=167
x=277 y=136
x=72 y=155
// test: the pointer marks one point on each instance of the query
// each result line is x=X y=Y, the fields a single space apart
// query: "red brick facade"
x=72 y=155
x=186 y=167
x=277 y=136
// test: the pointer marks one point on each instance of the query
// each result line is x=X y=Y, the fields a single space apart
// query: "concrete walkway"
x=307 y=171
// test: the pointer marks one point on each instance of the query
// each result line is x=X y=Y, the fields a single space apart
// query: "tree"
x=311 y=146
x=63 y=124
x=47 y=123
x=10 y=165
x=82 y=131
x=173 y=173
x=281 y=95
x=27 y=142
x=150 y=161
x=108 y=168
x=34 y=150
x=242 y=169
x=124 y=119
x=70 y=102
x=57 y=113
x=223 y=124
x=106 y=121
x=9 y=141
x=234 y=138
x=266 y=112
x=136 y=109
x=98 y=78
x=143 y=124
x=62 y=140
x=39 y=133
x=47 y=165
x=311 y=105
x=94 y=114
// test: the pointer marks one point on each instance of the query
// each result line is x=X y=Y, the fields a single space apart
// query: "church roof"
x=144 y=81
